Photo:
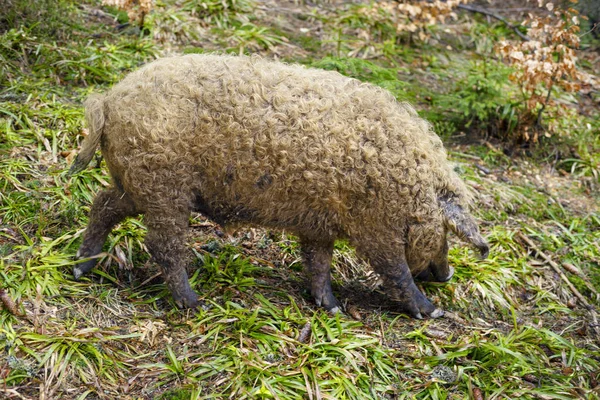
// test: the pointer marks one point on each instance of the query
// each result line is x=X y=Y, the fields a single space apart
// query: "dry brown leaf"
x=477 y=394
x=353 y=312
x=9 y=303
x=572 y=269
x=304 y=335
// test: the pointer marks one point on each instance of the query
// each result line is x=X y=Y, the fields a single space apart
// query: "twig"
x=558 y=270
x=516 y=9
x=12 y=393
x=575 y=271
x=515 y=28
x=538 y=122
x=150 y=279
x=482 y=169
x=283 y=9
x=595 y=27
x=7 y=302
x=464 y=155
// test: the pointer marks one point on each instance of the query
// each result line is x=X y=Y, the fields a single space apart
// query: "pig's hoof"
x=437 y=313
x=187 y=300
x=417 y=305
x=425 y=276
x=327 y=300
x=77 y=273
x=336 y=310
x=81 y=269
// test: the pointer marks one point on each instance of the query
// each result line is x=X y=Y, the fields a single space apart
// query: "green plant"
x=46 y=18
x=249 y=36
x=221 y=13
x=376 y=21
x=368 y=71
x=228 y=268
x=584 y=137
x=479 y=100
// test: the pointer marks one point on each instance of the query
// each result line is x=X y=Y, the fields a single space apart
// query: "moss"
x=176 y=394
x=307 y=42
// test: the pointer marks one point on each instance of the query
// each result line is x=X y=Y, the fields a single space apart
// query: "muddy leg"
x=109 y=208
x=317 y=258
x=401 y=287
x=399 y=283
x=165 y=242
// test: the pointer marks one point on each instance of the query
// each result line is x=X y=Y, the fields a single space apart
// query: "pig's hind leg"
x=165 y=241
x=317 y=259
x=110 y=207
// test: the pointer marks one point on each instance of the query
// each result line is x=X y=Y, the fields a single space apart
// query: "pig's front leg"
x=438 y=270
x=400 y=286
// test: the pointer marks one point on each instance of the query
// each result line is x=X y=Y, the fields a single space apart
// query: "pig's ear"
x=463 y=224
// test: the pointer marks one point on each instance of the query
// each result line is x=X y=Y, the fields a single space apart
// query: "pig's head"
x=459 y=221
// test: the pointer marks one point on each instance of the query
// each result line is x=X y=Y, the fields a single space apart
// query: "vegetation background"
x=512 y=88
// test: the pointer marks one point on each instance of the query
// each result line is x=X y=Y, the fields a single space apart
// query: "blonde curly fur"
x=252 y=141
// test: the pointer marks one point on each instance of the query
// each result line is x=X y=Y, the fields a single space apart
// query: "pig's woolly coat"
x=277 y=145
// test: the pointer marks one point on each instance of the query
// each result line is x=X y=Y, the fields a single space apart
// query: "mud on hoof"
x=327 y=300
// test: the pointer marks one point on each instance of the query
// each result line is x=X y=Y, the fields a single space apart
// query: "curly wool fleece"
x=251 y=141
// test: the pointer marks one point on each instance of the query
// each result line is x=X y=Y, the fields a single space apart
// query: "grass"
x=513 y=329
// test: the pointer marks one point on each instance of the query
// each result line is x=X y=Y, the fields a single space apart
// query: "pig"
x=253 y=142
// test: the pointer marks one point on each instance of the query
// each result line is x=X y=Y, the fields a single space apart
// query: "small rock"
x=443 y=373
x=212 y=247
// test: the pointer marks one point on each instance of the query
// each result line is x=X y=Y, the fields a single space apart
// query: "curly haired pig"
x=244 y=140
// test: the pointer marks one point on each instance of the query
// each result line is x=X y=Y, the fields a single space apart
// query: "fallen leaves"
x=548 y=58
